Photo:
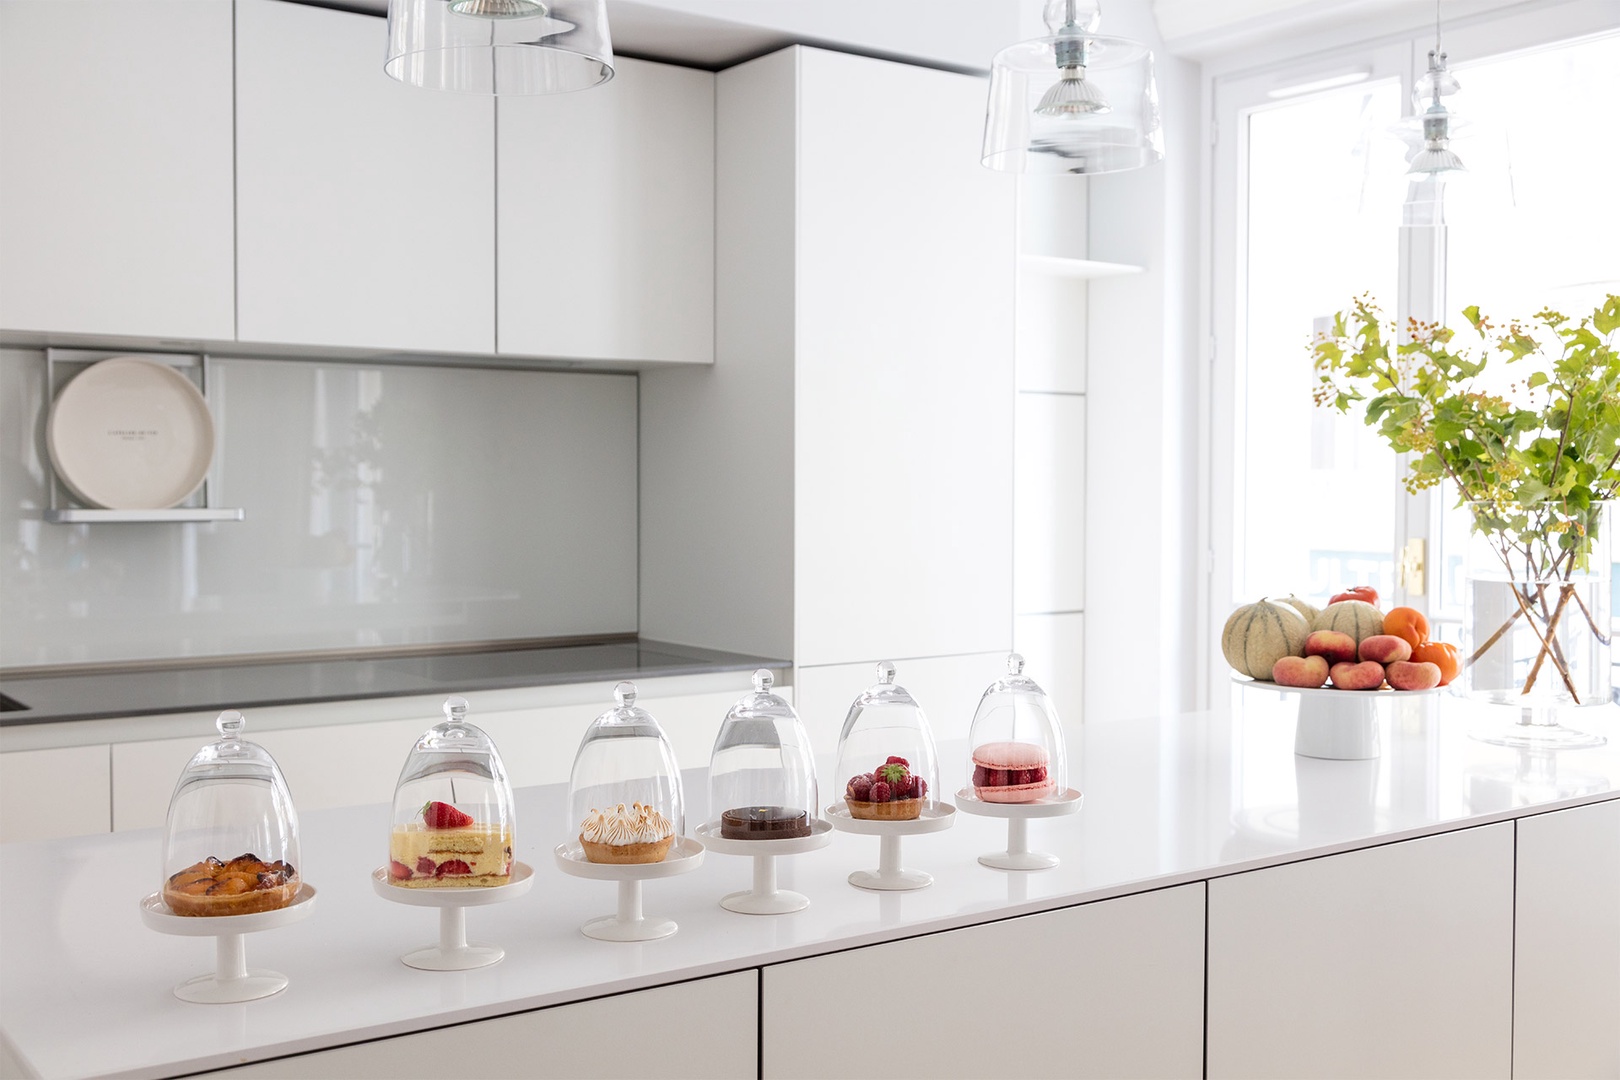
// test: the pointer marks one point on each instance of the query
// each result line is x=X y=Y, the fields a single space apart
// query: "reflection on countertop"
x=48 y=698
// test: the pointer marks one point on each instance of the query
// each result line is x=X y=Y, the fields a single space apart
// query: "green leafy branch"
x=1523 y=418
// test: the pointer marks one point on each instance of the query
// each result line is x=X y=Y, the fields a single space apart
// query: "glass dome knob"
x=763 y=681
x=455 y=708
x=625 y=694
x=1015 y=664
x=230 y=724
x=885 y=672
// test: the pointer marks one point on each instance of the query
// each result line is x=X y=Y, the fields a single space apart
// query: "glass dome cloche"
x=453 y=813
x=762 y=775
x=624 y=797
x=230 y=846
x=887 y=766
x=1016 y=745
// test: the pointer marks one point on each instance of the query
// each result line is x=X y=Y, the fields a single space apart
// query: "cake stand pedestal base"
x=453 y=953
x=629 y=923
x=890 y=876
x=765 y=898
x=230 y=981
x=1018 y=815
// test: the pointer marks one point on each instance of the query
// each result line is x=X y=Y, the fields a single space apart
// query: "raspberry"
x=398 y=870
x=453 y=867
x=860 y=789
x=981 y=776
x=919 y=787
x=1024 y=776
x=881 y=792
x=893 y=760
x=425 y=865
x=1037 y=775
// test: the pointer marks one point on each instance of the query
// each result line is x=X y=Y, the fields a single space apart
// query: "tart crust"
x=895 y=810
x=627 y=853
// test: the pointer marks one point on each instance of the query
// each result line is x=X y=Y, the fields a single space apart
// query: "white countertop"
x=85 y=987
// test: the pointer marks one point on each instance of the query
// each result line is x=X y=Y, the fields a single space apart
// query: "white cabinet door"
x=904 y=409
x=1391 y=961
x=1566 y=946
x=703 y=1028
x=1114 y=989
x=606 y=219
x=115 y=168
x=45 y=794
x=365 y=208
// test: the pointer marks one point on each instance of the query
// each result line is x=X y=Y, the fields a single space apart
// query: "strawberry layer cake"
x=448 y=849
x=1011 y=772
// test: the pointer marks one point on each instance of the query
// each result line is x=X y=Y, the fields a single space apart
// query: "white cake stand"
x=764 y=898
x=1018 y=815
x=452 y=953
x=1342 y=725
x=685 y=855
x=231 y=981
x=889 y=877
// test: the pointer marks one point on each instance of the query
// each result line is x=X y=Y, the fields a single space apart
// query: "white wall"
x=385 y=506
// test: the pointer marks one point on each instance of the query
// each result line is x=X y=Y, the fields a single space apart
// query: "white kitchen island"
x=1222 y=907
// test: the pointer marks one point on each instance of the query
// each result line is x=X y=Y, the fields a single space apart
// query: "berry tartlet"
x=888 y=793
x=1011 y=772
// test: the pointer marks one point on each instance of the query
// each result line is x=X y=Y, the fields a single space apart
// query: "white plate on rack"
x=130 y=434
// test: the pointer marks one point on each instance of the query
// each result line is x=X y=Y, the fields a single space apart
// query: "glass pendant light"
x=1073 y=101
x=499 y=46
x=1433 y=155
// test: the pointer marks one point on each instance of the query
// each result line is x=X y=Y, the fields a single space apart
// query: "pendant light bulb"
x=1072 y=95
x=499 y=9
x=1436 y=157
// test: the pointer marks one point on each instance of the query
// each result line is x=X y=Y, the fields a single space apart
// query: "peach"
x=1367 y=675
x=1386 y=648
x=1307 y=671
x=1407 y=675
x=1338 y=648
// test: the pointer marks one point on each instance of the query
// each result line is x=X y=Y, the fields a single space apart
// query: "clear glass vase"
x=1536 y=631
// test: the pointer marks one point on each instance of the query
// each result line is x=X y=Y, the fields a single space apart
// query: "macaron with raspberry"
x=1011 y=772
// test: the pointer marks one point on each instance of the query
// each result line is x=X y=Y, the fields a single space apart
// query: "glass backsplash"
x=385 y=506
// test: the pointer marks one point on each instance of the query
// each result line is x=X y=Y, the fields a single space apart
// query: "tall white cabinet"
x=839 y=488
x=365 y=208
x=115 y=168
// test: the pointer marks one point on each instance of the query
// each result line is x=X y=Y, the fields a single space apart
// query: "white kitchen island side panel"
x=1566 y=971
x=903 y=410
x=116 y=198
x=699 y=1029
x=1109 y=989
x=1395 y=961
x=605 y=227
x=365 y=207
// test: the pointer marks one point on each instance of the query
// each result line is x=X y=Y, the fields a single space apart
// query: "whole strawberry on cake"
x=890 y=792
x=449 y=849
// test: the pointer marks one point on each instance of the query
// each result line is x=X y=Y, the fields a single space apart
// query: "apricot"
x=1406 y=675
x=1367 y=675
x=1408 y=623
x=1385 y=648
x=1306 y=671
x=1336 y=647
x=1443 y=655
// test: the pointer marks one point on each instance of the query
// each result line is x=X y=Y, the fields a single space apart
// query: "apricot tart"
x=245 y=885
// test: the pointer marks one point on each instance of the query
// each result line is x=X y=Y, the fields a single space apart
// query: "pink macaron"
x=1011 y=772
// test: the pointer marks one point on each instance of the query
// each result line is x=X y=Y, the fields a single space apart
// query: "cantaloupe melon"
x=1357 y=618
x=1308 y=611
x=1257 y=635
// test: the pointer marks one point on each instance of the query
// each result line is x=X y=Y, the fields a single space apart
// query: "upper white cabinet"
x=115 y=167
x=839 y=487
x=365 y=208
x=605 y=219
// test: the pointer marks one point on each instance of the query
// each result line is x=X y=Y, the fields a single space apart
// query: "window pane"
x=1533 y=222
x=1316 y=491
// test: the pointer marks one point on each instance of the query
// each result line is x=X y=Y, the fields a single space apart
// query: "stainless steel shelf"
x=85 y=516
